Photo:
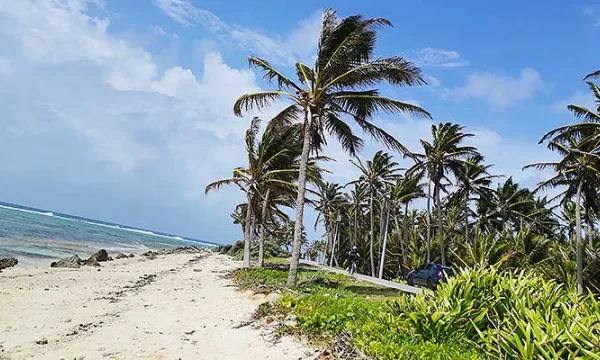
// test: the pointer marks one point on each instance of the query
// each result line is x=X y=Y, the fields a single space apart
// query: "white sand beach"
x=173 y=307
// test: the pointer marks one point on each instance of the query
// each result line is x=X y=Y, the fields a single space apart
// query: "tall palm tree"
x=328 y=203
x=356 y=200
x=375 y=176
x=407 y=189
x=474 y=178
x=336 y=86
x=272 y=166
x=445 y=154
x=579 y=172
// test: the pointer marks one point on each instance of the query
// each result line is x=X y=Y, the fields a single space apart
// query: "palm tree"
x=578 y=170
x=356 y=200
x=272 y=166
x=473 y=178
x=336 y=86
x=508 y=205
x=328 y=204
x=407 y=189
x=376 y=175
x=446 y=154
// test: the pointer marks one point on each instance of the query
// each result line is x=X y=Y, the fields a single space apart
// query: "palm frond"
x=270 y=73
x=382 y=136
x=258 y=100
x=581 y=112
x=285 y=118
x=367 y=103
x=592 y=75
x=216 y=185
x=338 y=128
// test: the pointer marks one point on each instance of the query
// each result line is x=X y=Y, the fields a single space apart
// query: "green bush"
x=518 y=316
x=325 y=314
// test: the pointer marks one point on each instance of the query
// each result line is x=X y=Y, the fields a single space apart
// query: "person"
x=353 y=255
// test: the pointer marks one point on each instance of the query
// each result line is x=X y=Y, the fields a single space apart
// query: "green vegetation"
x=347 y=316
x=481 y=313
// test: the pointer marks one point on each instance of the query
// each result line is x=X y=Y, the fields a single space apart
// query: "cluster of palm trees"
x=479 y=218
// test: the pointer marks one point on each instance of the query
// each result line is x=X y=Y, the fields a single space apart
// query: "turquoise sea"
x=35 y=236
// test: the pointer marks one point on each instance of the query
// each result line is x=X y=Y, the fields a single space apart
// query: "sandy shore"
x=173 y=307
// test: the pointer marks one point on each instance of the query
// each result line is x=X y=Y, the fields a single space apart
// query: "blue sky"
x=121 y=110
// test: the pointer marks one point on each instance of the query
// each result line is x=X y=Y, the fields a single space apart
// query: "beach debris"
x=43 y=341
x=73 y=262
x=8 y=262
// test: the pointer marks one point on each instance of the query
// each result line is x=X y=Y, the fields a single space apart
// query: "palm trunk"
x=385 y=237
x=247 y=239
x=429 y=221
x=372 y=234
x=404 y=239
x=355 y=230
x=292 y=276
x=329 y=240
x=261 y=243
x=336 y=235
x=466 y=217
x=440 y=225
x=579 y=250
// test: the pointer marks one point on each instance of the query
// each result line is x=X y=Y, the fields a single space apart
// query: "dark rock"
x=101 y=256
x=151 y=255
x=8 y=262
x=121 y=256
x=90 y=262
x=131 y=255
x=72 y=262
x=42 y=342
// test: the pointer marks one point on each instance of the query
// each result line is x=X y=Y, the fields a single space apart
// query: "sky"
x=121 y=110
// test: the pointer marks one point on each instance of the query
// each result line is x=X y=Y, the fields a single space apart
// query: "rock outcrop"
x=101 y=256
x=73 y=262
x=8 y=262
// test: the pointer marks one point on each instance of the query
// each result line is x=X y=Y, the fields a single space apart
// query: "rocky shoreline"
x=75 y=262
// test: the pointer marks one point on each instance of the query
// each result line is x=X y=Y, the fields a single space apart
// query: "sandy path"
x=178 y=308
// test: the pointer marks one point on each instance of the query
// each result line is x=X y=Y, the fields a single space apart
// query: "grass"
x=352 y=319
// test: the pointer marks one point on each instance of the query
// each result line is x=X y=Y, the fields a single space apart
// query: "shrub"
x=510 y=316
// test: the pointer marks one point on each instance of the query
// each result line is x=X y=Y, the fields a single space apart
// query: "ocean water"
x=35 y=236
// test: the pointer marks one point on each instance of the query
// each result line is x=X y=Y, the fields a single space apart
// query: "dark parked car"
x=429 y=275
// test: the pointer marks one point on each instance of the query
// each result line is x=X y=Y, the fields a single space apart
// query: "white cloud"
x=500 y=91
x=432 y=80
x=298 y=45
x=577 y=98
x=437 y=58
x=593 y=12
x=84 y=109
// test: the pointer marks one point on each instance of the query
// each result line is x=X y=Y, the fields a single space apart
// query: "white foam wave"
x=46 y=213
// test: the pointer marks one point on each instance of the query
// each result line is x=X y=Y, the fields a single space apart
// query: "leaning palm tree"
x=271 y=166
x=338 y=85
x=375 y=175
x=445 y=154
